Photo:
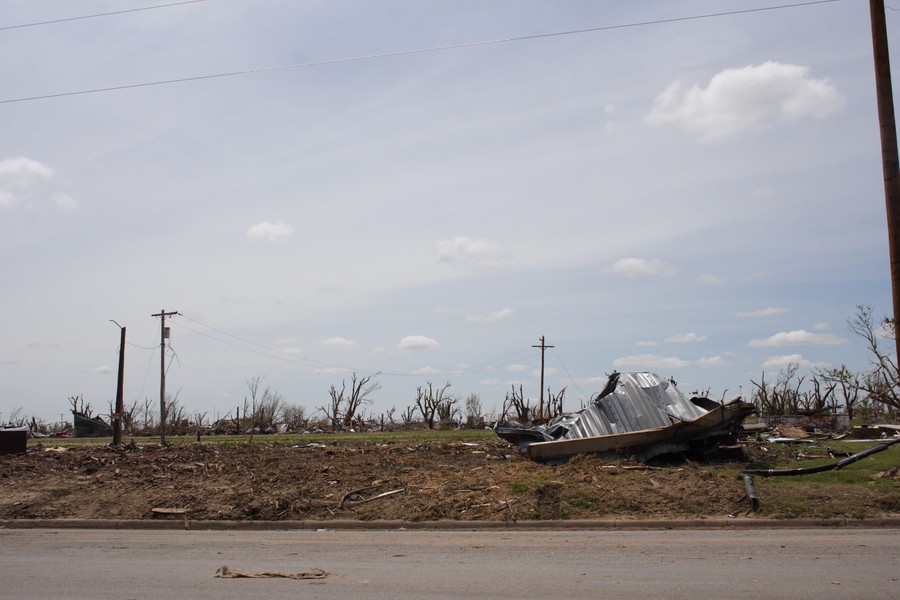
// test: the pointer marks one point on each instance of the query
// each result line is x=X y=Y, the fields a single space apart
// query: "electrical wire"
x=309 y=362
x=415 y=51
x=269 y=352
x=569 y=375
x=141 y=347
x=94 y=16
x=146 y=374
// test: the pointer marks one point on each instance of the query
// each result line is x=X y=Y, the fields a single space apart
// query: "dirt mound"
x=416 y=481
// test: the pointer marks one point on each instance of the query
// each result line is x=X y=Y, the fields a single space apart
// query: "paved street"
x=400 y=565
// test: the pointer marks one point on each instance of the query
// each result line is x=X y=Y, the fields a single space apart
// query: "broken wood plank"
x=169 y=511
x=390 y=493
x=227 y=572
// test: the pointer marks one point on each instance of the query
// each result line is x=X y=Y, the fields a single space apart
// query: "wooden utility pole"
x=163 y=334
x=120 y=405
x=889 y=157
x=543 y=347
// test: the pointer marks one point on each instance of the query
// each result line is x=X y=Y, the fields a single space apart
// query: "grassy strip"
x=418 y=435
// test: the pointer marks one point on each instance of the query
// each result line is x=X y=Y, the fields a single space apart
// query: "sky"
x=422 y=191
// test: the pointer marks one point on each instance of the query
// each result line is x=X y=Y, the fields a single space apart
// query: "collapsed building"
x=636 y=414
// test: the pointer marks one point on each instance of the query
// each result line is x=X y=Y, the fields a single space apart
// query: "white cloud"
x=427 y=371
x=269 y=232
x=650 y=361
x=547 y=372
x=711 y=279
x=418 y=342
x=782 y=362
x=23 y=171
x=517 y=367
x=739 y=100
x=642 y=267
x=763 y=312
x=329 y=371
x=291 y=350
x=17 y=174
x=65 y=201
x=647 y=344
x=686 y=338
x=467 y=253
x=337 y=341
x=820 y=326
x=798 y=338
x=491 y=381
x=503 y=314
x=711 y=361
x=101 y=370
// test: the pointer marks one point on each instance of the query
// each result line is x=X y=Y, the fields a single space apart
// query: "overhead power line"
x=290 y=357
x=332 y=61
x=94 y=16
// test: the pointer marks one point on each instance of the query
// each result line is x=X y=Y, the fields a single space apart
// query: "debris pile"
x=636 y=414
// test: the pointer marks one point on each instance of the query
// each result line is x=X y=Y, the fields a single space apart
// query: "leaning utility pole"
x=542 y=347
x=120 y=405
x=163 y=334
x=889 y=158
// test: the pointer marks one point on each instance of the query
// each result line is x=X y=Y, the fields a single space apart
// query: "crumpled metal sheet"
x=639 y=401
x=640 y=414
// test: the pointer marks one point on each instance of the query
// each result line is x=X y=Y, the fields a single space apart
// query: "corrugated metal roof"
x=640 y=401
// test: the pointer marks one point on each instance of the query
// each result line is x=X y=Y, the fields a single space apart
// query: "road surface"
x=407 y=565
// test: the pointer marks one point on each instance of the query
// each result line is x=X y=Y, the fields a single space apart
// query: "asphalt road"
x=401 y=565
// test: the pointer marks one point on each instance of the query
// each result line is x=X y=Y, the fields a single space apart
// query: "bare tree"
x=176 y=415
x=783 y=397
x=80 y=407
x=428 y=400
x=408 y=416
x=882 y=384
x=149 y=416
x=555 y=403
x=198 y=419
x=268 y=410
x=333 y=410
x=294 y=416
x=15 y=418
x=129 y=414
x=389 y=417
x=848 y=383
x=360 y=388
x=447 y=411
x=474 y=411
x=521 y=404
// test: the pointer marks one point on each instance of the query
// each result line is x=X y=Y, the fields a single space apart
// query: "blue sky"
x=697 y=197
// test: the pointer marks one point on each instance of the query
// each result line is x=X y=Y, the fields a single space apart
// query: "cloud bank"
x=739 y=100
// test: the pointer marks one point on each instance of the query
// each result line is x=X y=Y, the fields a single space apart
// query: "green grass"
x=417 y=435
x=861 y=472
x=529 y=484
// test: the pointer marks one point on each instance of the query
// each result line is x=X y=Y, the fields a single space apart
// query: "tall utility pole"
x=120 y=405
x=163 y=334
x=889 y=158
x=543 y=347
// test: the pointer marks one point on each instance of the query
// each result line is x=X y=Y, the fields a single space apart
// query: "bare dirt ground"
x=416 y=481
